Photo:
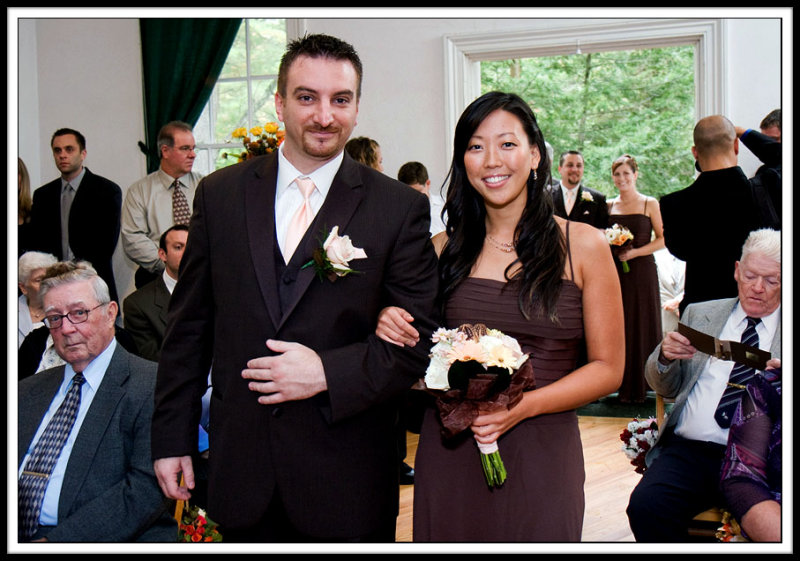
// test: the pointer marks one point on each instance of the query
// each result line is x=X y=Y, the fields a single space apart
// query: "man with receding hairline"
x=706 y=223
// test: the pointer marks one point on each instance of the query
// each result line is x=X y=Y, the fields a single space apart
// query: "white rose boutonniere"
x=587 y=196
x=332 y=259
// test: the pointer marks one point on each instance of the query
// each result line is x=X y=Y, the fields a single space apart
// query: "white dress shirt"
x=697 y=418
x=287 y=195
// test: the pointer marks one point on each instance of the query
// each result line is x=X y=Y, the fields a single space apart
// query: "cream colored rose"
x=340 y=251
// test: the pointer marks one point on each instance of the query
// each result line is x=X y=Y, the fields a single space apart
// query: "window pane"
x=236 y=63
x=263 y=100
x=267 y=44
x=232 y=109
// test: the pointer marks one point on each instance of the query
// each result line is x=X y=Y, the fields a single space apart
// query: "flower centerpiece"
x=257 y=141
x=474 y=368
x=196 y=526
x=638 y=438
x=332 y=258
x=618 y=237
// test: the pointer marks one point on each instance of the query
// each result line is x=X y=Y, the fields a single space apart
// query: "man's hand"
x=295 y=373
x=675 y=346
x=168 y=472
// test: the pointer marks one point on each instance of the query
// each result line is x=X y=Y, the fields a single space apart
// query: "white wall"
x=86 y=74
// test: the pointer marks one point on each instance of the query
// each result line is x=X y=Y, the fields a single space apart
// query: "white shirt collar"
x=169 y=281
x=322 y=176
x=770 y=322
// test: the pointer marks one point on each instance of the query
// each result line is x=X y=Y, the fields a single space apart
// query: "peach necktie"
x=301 y=219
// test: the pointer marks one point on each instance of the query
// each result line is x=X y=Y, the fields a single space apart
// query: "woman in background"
x=641 y=299
x=365 y=151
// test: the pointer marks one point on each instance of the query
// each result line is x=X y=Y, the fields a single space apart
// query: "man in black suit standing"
x=77 y=216
x=305 y=395
x=706 y=223
x=572 y=199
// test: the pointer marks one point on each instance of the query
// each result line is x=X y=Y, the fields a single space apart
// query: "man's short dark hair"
x=412 y=173
x=166 y=135
x=568 y=153
x=162 y=241
x=65 y=131
x=318 y=46
x=773 y=119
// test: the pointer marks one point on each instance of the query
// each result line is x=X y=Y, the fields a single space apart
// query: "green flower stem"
x=493 y=469
x=625 y=267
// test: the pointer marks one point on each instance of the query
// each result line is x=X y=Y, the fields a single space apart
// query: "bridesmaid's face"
x=499 y=159
x=625 y=177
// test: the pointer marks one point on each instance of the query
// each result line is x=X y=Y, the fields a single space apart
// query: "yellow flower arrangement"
x=257 y=141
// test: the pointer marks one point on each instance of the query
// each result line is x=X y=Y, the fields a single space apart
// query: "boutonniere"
x=332 y=259
x=587 y=196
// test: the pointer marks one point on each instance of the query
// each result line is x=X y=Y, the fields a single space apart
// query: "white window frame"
x=464 y=53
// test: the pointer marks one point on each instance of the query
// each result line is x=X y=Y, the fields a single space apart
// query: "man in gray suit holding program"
x=87 y=476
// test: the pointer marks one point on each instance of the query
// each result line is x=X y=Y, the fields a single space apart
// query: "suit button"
x=277 y=412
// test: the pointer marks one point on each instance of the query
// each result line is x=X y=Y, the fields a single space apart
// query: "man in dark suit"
x=102 y=487
x=572 y=199
x=77 y=216
x=682 y=477
x=706 y=223
x=305 y=396
x=145 y=310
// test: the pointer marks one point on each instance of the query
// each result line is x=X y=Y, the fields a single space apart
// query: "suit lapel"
x=95 y=424
x=161 y=298
x=558 y=201
x=340 y=205
x=259 y=197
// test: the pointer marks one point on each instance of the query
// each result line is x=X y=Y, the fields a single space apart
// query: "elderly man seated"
x=683 y=474
x=85 y=471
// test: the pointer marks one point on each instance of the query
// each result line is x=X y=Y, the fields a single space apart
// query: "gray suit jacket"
x=109 y=493
x=680 y=376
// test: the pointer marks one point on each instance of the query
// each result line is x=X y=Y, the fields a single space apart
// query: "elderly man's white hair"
x=766 y=242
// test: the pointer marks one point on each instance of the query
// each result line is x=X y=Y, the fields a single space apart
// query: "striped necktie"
x=740 y=375
x=36 y=474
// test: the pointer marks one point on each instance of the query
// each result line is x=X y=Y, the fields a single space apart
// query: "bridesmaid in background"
x=640 y=291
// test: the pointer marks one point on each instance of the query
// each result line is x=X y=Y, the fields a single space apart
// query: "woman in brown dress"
x=507 y=262
x=641 y=300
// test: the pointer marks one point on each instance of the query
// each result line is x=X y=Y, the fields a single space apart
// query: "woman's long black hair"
x=540 y=246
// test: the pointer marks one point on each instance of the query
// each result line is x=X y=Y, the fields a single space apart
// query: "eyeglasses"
x=74 y=317
x=184 y=149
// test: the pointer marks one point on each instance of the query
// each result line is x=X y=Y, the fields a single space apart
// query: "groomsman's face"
x=319 y=111
x=571 y=170
x=68 y=155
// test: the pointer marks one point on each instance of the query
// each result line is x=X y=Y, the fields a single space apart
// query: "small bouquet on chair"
x=618 y=237
x=196 y=526
x=474 y=368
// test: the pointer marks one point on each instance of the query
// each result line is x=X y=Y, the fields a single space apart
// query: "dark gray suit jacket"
x=144 y=314
x=681 y=375
x=109 y=493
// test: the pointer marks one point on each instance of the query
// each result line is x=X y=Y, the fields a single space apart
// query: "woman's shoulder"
x=581 y=234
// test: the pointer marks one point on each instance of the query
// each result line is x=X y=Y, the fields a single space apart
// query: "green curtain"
x=181 y=61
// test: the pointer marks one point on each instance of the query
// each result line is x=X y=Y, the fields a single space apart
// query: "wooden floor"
x=610 y=478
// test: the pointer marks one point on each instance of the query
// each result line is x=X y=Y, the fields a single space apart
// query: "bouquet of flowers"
x=619 y=236
x=259 y=140
x=474 y=368
x=195 y=526
x=637 y=439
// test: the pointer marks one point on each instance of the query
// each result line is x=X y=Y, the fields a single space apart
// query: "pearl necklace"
x=505 y=247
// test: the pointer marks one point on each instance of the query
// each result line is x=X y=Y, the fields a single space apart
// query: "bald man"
x=706 y=223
